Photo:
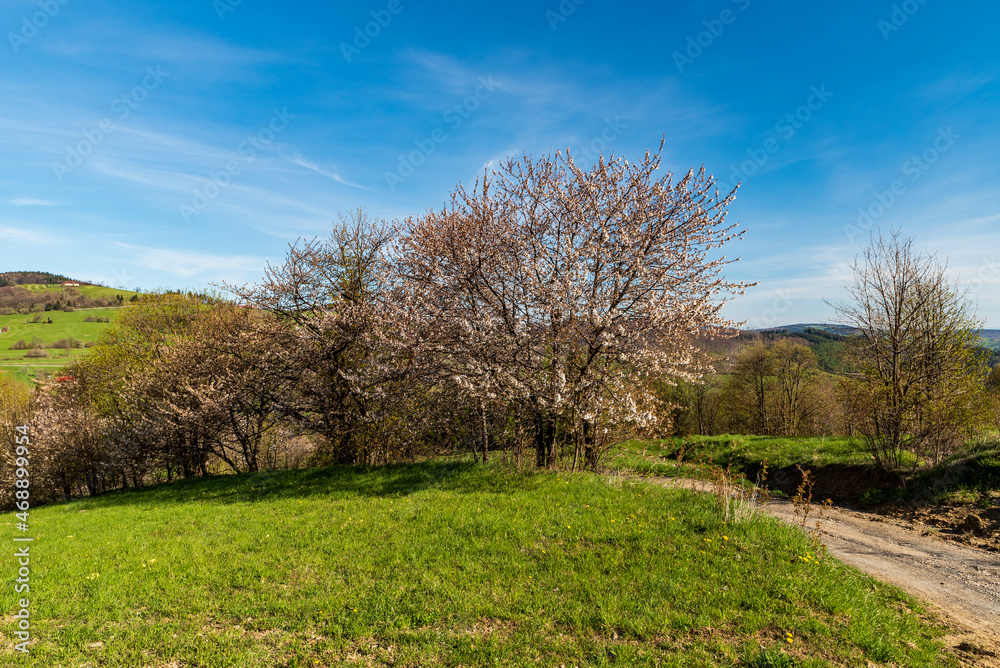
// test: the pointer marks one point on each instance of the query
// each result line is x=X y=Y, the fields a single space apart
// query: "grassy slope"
x=659 y=457
x=94 y=291
x=64 y=326
x=441 y=564
x=971 y=475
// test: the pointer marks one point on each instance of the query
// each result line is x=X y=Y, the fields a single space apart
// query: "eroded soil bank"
x=848 y=486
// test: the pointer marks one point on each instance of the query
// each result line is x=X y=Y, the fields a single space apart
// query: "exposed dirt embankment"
x=846 y=485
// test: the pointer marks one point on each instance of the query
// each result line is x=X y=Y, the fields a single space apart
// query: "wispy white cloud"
x=961 y=82
x=21 y=233
x=200 y=55
x=331 y=173
x=186 y=264
x=30 y=201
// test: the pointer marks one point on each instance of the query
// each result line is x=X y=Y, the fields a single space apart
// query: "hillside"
x=34 y=298
x=840 y=330
x=30 y=277
x=443 y=564
x=74 y=330
x=827 y=342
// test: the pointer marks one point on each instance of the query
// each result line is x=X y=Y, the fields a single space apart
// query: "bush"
x=67 y=343
x=36 y=353
x=93 y=318
x=37 y=318
x=19 y=345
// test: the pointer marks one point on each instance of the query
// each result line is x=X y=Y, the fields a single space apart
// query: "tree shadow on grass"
x=335 y=482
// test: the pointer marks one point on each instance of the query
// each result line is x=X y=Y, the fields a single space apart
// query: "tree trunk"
x=543 y=435
x=486 y=437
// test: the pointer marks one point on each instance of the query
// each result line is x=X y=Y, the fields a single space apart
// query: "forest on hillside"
x=15 y=299
x=30 y=278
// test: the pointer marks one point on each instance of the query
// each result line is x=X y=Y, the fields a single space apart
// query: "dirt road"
x=961 y=583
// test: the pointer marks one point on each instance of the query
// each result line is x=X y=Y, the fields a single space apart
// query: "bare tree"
x=567 y=292
x=356 y=374
x=795 y=372
x=916 y=376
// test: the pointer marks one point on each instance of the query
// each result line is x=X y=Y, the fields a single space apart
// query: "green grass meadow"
x=94 y=291
x=441 y=564
x=64 y=326
x=660 y=457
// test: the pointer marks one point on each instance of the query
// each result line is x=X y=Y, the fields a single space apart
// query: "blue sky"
x=181 y=144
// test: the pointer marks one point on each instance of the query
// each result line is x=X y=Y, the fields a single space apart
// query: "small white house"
x=70 y=284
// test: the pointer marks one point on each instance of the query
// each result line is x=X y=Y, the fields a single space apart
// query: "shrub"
x=36 y=353
x=19 y=345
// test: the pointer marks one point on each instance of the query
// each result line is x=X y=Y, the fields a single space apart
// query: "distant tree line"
x=8 y=278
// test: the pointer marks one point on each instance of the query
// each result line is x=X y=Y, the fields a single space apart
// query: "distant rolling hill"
x=8 y=278
x=989 y=338
x=842 y=330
